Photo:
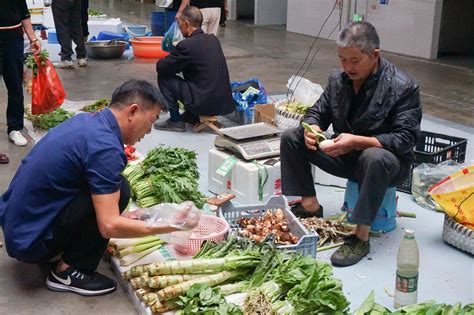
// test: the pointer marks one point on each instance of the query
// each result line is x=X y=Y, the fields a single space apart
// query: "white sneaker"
x=17 y=138
x=65 y=64
x=82 y=62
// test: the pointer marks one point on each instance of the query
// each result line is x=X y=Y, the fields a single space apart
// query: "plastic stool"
x=385 y=221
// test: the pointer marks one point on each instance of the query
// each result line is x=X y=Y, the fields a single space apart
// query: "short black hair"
x=193 y=15
x=137 y=92
x=361 y=34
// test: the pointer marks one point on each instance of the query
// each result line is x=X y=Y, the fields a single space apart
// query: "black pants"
x=67 y=19
x=76 y=234
x=11 y=60
x=374 y=169
x=85 y=17
x=175 y=88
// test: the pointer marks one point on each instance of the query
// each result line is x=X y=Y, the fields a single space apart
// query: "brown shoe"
x=351 y=252
x=4 y=159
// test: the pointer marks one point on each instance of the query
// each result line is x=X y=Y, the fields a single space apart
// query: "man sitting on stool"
x=205 y=89
x=375 y=112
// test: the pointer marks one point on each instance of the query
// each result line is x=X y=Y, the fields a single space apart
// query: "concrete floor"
x=273 y=55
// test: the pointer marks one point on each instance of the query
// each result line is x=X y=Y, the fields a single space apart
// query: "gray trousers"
x=374 y=169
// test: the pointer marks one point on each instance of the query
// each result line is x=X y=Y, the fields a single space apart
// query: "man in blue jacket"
x=67 y=195
x=375 y=112
x=204 y=87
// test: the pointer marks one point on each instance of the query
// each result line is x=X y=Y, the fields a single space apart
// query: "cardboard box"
x=264 y=113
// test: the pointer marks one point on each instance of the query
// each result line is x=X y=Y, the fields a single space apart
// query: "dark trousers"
x=174 y=89
x=85 y=17
x=11 y=59
x=374 y=169
x=76 y=234
x=67 y=20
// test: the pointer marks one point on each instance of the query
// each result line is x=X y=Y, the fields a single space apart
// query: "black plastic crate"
x=435 y=148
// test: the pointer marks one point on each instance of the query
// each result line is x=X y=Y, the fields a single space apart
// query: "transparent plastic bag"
x=184 y=216
x=426 y=175
x=304 y=90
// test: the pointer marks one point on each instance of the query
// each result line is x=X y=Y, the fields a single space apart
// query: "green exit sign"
x=357 y=17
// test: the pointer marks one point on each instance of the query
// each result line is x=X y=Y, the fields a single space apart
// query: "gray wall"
x=270 y=12
x=457 y=27
x=264 y=12
x=408 y=27
x=307 y=17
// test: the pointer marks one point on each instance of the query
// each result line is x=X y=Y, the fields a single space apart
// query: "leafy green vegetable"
x=202 y=299
x=97 y=106
x=165 y=175
x=30 y=62
x=430 y=307
x=50 y=120
x=94 y=12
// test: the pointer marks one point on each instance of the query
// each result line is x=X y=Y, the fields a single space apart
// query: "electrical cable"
x=309 y=52
x=339 y=24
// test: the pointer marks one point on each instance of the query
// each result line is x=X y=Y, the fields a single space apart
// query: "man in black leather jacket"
x=375 y=113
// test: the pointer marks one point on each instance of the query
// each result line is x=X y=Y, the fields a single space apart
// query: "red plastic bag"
x=47 y=91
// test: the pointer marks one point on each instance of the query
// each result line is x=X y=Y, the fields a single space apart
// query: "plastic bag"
x=47 y=90
x=184 y=216
x=306 y=91
x=247 y=94
x=172 y=37
x=426 y=175
x=455 y=194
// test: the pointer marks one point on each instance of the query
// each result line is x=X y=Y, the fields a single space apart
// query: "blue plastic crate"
x=385 y=221
x=307 y=241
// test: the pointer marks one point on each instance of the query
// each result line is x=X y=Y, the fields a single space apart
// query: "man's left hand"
x=343 y=144
x=35 y=46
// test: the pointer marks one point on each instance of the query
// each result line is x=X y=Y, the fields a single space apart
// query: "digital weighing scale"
x=255 y=141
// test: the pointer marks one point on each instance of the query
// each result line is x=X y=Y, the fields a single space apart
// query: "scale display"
x=255 y=141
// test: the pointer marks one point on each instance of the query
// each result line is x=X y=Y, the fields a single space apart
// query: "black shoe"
x=300 y=212
x=190 y=118
x=169 y=125
x=88 y=283
x=351 y=252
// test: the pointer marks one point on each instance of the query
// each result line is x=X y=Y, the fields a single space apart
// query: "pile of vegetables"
x=294 y=107
x=132 y=249
x=94 y=12
x=166 y=175
x=370 y=307
x=97 y=106
x=275 y=282
x=50 y=120
x=272 y=222
x=330 y=232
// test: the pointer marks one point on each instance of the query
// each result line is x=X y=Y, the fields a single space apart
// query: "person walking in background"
x=67 y=19
x=224 y=13
x=85 y=18
x=211 y=13
x=14 y=21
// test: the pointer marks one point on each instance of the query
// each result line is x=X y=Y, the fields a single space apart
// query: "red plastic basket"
x=210 y=228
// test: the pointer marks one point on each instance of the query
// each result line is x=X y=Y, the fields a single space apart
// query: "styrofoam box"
x=110 y=25
x=242 y=180
x=37 y=14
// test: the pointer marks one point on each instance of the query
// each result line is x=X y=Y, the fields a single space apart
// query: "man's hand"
x=310 y=138
x=177 y=16
x=343 y=144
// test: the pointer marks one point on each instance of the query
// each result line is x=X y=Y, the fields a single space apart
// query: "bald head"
x=193 y=16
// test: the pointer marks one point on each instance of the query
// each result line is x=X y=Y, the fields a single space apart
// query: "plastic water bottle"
x=408 y=261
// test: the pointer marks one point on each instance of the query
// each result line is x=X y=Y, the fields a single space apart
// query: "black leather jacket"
x=392 y=113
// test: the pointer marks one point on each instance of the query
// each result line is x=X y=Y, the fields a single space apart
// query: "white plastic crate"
x=242 y=180
x=109 y=25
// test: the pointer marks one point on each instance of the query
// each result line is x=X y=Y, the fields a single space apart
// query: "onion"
x=325 y=144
